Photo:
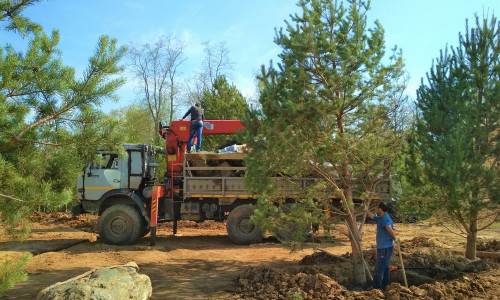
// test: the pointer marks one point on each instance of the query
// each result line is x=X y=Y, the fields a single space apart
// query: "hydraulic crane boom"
x=177 y=134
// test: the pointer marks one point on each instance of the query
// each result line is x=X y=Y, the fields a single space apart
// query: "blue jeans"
x=195 y=128
x=382 y=276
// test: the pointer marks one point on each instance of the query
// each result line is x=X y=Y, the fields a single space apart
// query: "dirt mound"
x=84 y=222
x=421 y=241
x=323 y=258
x=50 y=218
x=269 y=283
x=463 y=288
x=422 y=268
x=324 y=276
x=491 y=245
x=203 y=225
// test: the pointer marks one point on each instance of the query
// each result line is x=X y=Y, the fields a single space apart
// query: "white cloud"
x=247 y=86
x=194 y=47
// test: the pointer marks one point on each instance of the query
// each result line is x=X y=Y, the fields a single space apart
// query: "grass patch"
x=494 y=226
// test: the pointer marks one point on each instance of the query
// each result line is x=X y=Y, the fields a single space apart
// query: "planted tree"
x=45 y=114
x=455 y=141
x=326 y=113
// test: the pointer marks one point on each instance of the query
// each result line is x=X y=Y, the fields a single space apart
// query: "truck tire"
x=119 y=224
x=145 y=229
x=239 y=228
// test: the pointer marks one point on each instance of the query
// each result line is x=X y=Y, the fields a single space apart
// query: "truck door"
x=102 y=176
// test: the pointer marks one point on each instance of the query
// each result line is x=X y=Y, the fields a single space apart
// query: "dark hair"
x=383 y=206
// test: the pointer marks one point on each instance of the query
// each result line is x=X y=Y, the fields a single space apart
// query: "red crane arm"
x=177 y=134
x=181 y=128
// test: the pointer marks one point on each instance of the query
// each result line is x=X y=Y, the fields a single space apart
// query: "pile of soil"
x=324 y=276
x=491 y=245
x=422 y=241
x=203 y=225
x=84 y=222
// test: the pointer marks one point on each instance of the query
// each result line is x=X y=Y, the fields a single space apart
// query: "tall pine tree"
x=46 y=111
x=457 y=131
x=326 y=111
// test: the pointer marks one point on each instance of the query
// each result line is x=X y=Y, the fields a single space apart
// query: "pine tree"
x=326 y=112
x=223 y=102
x=12 y=271
x=457 y=130
x=46 y=112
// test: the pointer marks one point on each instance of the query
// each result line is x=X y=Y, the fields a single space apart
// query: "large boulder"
x=116 y=282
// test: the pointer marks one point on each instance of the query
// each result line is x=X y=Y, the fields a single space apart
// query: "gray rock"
x=116 y=282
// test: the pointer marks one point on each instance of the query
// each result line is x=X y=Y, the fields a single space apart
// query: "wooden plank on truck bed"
x=206 y=156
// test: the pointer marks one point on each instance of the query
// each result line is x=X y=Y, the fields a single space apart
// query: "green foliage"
x=12 y=271
x=223 y=102
x=328 y=111
x=136 y=123
x=37 y=180
x=294 y=295
x=50 y=123
x=494 y=226
x=455 y=140
x=17 y=22
x=416 y=200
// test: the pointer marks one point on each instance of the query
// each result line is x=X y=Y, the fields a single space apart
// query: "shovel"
x=402 y=264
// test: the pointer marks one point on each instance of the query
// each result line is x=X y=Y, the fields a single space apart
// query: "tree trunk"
x=171 y=100
x=470 y=248
x=358 y=269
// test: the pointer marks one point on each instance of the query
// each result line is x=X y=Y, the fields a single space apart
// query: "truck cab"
x=118 y=186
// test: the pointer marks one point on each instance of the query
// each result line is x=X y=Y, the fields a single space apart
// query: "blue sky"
x=420 y=28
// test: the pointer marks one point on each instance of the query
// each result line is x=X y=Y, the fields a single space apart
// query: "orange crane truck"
x=123 y=190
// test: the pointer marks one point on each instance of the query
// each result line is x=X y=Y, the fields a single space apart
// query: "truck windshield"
x=106 y=161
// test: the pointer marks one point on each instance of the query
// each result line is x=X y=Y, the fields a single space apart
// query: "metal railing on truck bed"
x=210 y=175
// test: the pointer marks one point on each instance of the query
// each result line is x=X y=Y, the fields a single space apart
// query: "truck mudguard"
x=121 y=196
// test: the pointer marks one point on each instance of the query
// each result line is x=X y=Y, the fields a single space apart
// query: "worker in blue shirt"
x=385 y=246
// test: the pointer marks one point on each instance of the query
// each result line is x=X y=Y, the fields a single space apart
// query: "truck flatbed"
x=209 y=156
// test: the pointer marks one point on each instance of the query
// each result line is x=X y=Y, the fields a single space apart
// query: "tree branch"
x=11 y=198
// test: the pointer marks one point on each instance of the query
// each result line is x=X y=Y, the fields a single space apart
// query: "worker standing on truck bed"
x=385 y=246
x=196 y=127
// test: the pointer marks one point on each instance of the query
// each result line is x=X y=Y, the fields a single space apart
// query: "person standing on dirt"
x=385 y=246
x=196 y=127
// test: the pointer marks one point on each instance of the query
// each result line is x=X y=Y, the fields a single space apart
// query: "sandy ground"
x=200 y=262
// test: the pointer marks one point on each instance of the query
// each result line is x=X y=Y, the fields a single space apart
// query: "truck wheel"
x=120 y=224
x=239 y=228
